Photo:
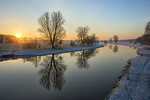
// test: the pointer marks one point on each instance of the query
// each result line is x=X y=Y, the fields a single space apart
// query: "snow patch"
x=135 y=83
x=39 y=52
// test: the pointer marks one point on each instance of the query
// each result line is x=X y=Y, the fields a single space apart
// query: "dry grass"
x=22 y=46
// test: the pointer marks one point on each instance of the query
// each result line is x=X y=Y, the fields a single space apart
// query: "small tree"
x=110 y=40
x=82 y=33
x=147 y=28
x=52 y=27
x=115 y=38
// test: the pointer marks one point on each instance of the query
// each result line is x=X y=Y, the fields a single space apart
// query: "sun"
x=18 y=35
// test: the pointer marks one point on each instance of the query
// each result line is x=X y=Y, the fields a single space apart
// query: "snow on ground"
x=39 y=52
x=135 y=83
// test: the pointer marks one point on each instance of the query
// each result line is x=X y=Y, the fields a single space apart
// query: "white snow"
x=39 y=52
x=135 y=83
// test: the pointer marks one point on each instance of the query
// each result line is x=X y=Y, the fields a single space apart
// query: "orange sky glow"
x=104 y=18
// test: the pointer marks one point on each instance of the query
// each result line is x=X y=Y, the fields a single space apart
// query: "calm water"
x=83 y=75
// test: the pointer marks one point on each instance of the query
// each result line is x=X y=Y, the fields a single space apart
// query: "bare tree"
x=147 y=28
x=115 y=38
x=82 y=33
x=52 y=27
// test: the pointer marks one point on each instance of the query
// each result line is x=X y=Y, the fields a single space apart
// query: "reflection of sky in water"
x=88 y=74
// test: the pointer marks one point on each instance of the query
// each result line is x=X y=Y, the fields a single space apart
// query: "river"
x=82 y=75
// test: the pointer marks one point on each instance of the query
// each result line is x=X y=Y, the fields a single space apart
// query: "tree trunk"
x=53 y=46
x=82 y=41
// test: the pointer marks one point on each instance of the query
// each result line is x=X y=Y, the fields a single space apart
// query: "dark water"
x=83 y=75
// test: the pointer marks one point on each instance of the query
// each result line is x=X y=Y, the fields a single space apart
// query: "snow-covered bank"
x=134 y=83
x=39 y=52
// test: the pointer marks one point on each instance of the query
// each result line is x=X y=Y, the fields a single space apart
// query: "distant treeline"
x=8 y=39
x=145 y=38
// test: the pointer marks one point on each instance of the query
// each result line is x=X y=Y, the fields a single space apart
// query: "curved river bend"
x=82 y=75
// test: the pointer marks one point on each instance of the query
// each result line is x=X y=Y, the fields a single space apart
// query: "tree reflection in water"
x=34 y=60
x=110 y=46
x=115 y=49
x=52 y=72
x=83 y=56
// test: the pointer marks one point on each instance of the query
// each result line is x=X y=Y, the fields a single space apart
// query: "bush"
x=115 y=38
x=90 y=40
x=31 y=46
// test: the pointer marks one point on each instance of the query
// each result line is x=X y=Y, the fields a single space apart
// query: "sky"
x=105 y=18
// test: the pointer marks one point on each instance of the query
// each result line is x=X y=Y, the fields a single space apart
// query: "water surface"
x=82 y=75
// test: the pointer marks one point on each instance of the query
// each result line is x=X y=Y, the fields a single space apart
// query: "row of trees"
x=84 y=37
x=145 y=38
x=115 y=38
x=53 y=30
x=8 y=39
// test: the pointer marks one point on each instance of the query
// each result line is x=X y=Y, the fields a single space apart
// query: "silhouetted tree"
x=139 y=39
x=52 y=72
x=52 y=27
x=82 y=33
x=115 y=49
x=147 y=28
x=8 y=39
x=115 y=38
x=110 y=40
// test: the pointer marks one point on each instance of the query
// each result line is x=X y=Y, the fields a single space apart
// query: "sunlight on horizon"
x=105 y=18
x=18 y=35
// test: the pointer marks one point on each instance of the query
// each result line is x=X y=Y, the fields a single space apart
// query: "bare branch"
x=52 y=27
